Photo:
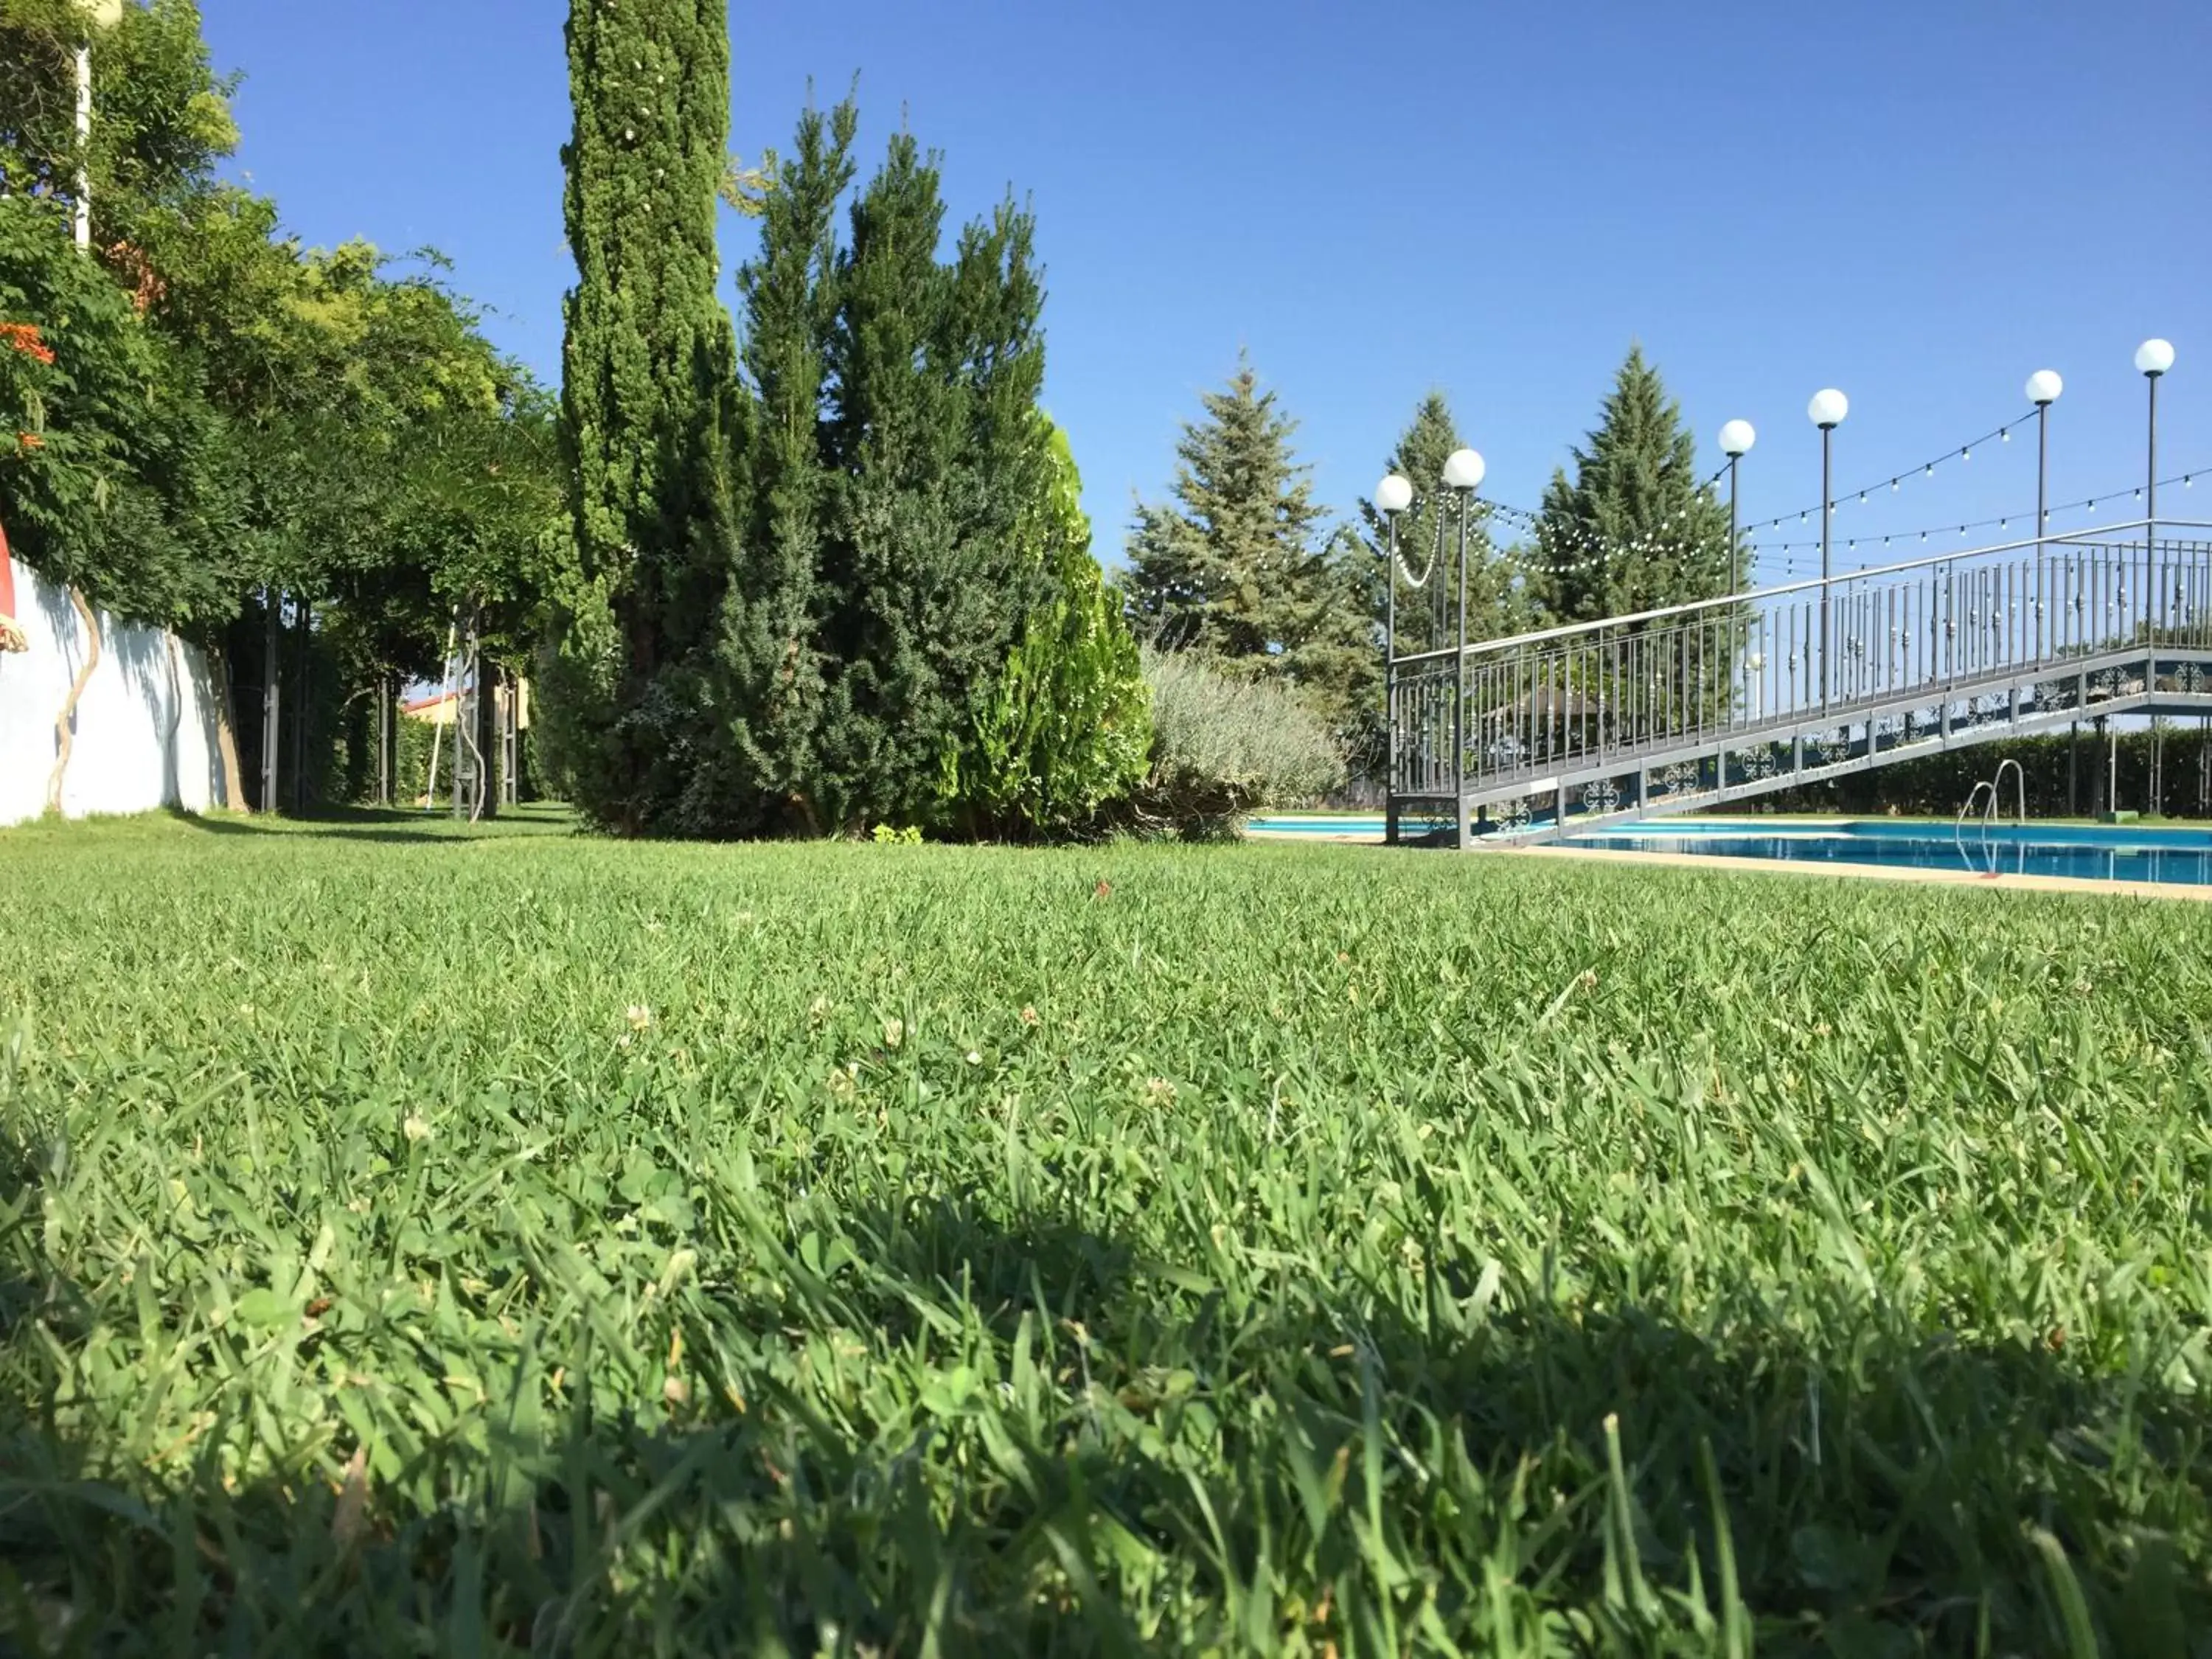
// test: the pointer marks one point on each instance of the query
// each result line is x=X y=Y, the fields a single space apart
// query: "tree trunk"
x=226 y=733
x=64 y=736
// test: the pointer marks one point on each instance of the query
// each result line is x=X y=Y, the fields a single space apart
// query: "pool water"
x=2120 y=852
x=2179 y=857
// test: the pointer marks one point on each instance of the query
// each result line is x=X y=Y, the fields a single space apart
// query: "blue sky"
x=1917 y=204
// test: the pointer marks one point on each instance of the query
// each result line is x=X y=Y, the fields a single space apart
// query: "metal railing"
x=1792 y=657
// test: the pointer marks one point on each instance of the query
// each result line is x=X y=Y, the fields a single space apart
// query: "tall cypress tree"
x=647 y=388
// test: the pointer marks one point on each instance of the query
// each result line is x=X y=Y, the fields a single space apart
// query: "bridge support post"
x=1560 y=812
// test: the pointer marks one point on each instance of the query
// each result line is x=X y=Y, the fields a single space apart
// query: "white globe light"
x=2044 y=386
x=1463 y=469
x=1394 y=495
x=1737 y=438
x=1828 y=408
x=2154 y=356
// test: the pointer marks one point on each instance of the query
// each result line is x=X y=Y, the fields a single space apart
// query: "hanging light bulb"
x=1931 y=469
x=1967 y=454
x=2004 y=434
x=1862 y=498
x=1892 y=486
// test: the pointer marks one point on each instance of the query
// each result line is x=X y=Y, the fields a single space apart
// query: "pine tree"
x=1634 y=531
x=1428 y=533
x=647 y=382
x=1234 y=567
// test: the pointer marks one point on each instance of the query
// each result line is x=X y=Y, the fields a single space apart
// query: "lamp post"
x=2043 y=389
x=1826 y=411
x=1463 y=472
x=1392 y=497
x=2153 y=359
x=1736 y=440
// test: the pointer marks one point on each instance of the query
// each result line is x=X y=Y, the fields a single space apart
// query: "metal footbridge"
x=1570 y=728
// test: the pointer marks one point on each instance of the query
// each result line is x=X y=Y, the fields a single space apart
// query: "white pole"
x=84 y=149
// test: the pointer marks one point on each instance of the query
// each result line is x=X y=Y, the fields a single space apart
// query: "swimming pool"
x=2176 y=857
x=2122 y=853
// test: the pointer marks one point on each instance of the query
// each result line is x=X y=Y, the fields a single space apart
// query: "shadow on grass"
x=384 y=826
x=948 y=1434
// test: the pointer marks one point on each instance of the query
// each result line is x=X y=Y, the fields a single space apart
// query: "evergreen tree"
x=941 y=450
x=771 y=649
x=648 y=404
x=1633 y=531
x=1234 y=566
x=1428 y=535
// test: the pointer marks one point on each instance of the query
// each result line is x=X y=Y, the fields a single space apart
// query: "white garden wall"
x=145 y=733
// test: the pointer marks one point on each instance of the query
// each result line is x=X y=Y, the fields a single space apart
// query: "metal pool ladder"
x=1988 y=795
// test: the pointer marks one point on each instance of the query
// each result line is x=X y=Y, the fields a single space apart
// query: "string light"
x=1926 y=469
x=2089 y=505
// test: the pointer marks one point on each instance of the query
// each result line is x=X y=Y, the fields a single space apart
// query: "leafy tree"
x=102 y=433
x=162 y=116
x=647 y=388
x=1069 y=728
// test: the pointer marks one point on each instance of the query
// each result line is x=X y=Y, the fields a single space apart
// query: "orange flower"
x=26 y=338
x=30 y=441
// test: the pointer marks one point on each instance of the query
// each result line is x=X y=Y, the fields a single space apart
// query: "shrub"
x=1066 y=732
x=1225 y=746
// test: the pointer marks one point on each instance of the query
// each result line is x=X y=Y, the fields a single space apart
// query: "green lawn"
x=512 y=1243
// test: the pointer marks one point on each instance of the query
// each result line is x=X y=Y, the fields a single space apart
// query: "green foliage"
x=2063 y=777
x=884 y=457
x=104 y=451
x=939 y=455
x=162 y=117
x=1428 y=536
x=1428 y=542
x=1227 y=744
x=1069 y=729
x=1235 y=567
x=1633 y=532
x=883 y=835
x=1135 y=1250
x=769 y=654
x=647 y=384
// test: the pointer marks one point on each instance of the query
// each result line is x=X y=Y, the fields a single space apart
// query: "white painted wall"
x=145 y=733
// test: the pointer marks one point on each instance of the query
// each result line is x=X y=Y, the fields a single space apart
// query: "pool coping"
x=2015 y=884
